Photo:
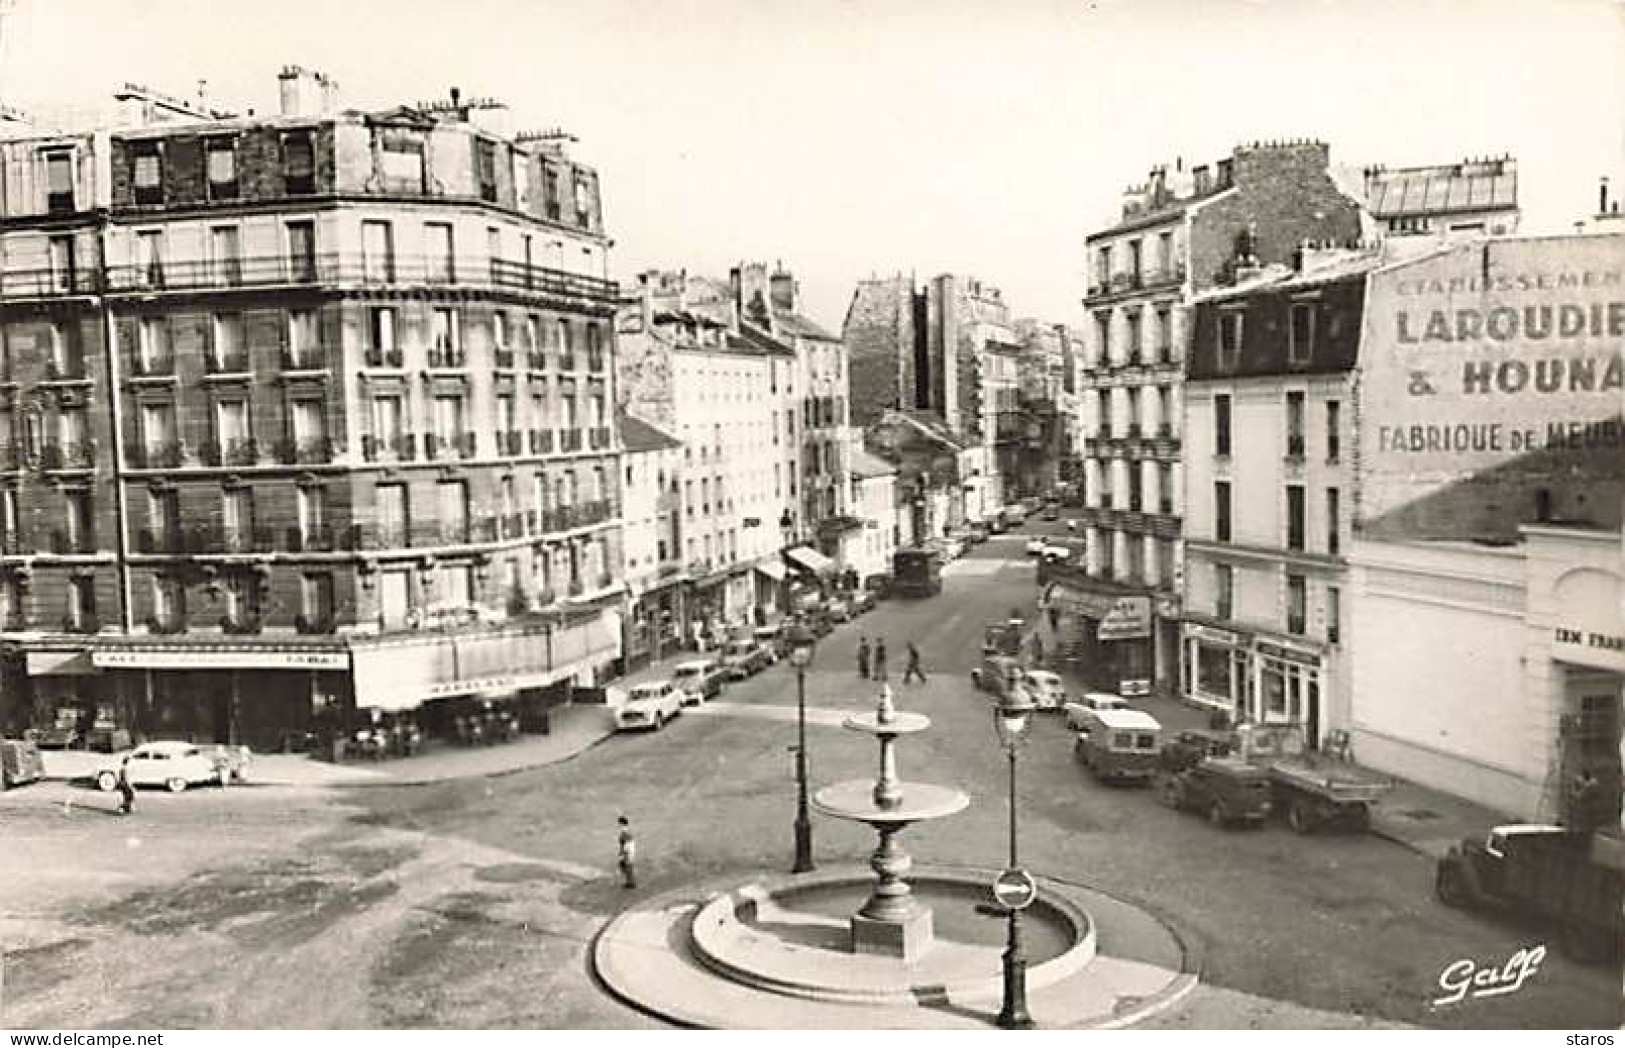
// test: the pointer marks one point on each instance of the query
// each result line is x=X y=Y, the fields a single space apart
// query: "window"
x=229 y=354
x=1165 y=254
x=1297 y=603
x=221 y=164
x=302 y=337
x=82 y=603
x=64 y=264
x=225 y=255
x=1334 y=513
x=452 y=505
x=444 y=341
x=1294 y=516
x=394 y=598
x=309 y=424
x=1135 y=349
x=381 y=330
x=584 y=197
x=77 y=504
x=1230 y=330
x=149 y=258
x=312 y=509
x=316 y=600
x=1334 y=439
x=499 y=330
x=393 y=514
x=1103 y=338
x=402 y=162
x=59 y=196
x=232 y=429
x=1221 y=424
x=485 y=167
x=440 y=246
x=1165 y=488
x=237 y=518
x=377 y=252
x=157 y=431
x=1334 y=615
x=1103 y=267
x=1294 y=425
x=147 y=178
x=298 y=162
x=152 y=345
x=302 y=251
x=168 y=602
x=386 y=422
x=448 y=419
x=1134 y=261
x=1165 y=336
x=1301 y=346
x=550 y=192
x=1221 y=510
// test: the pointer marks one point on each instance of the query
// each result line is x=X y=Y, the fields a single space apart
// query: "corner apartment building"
x=1269 y=450
x=1178 y=234
x=651 y=544
x=323 y=397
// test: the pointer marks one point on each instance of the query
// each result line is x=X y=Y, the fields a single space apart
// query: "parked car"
x=880 y=585
x=699 y=679
x=231 y=761
x=745 y=658
x=1046 y=689
x=952 y=548
x=1120 y=745
x=20 y=762
x=976 y=534
x=1036 y=546
x=837 y=609
x=649 y=705
x=861 y=601
x=1080 y=714
x=172 y=765
x=771 y=638
x=998 y=674
x=1050 y=514
x=1227 y=790
x=996 y=524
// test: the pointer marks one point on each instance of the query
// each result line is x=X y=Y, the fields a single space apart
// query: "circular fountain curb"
x=649 y=957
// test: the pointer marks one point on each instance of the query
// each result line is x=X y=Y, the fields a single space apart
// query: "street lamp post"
x=1010 y=718
x=801 y=642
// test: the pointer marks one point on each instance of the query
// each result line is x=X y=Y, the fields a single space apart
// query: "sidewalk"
x=574 y=730
x=1427 y=821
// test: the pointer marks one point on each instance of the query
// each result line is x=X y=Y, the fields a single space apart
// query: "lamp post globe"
x=1010 y=720
x=801 y=641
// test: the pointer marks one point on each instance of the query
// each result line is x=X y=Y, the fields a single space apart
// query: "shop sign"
x=1589 y=645
x=1128 y=618
x=220 y=660
x=1280 y=651
x=1223 y=638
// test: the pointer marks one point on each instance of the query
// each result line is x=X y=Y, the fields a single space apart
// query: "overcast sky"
x=851 y=139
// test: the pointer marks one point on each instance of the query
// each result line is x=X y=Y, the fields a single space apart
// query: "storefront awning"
x=772 y=569
x=181 y=656
x=810 y=560
x=59 y=663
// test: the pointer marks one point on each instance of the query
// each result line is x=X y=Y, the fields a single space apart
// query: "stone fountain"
x=892 y=922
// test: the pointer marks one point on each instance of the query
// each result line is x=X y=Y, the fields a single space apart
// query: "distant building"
x=356 y=390
x=868 y=548
x=1180 y=233
x=1474 y=198
x=651 y=529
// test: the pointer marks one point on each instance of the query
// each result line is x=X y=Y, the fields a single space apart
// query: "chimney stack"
x=305 y=92
x=782 y=290
x=1602 y=195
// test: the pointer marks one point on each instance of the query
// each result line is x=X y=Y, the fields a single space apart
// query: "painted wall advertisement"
x=1488 y=353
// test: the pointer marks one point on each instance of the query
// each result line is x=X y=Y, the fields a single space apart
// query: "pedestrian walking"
x=126 y=791
x=879 y=660
x=863 y=658
x=627 y=852
x=913 y=668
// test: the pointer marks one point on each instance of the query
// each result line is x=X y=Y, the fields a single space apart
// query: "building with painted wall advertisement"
x=1486 y=605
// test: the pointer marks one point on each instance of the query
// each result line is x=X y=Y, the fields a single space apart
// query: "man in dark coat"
x=913 y=667
x=863 y=658
x=126 y=791
x=880 y=660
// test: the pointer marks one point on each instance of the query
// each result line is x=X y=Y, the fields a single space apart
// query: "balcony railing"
x=579 y=515
x=157 y=456
x=1294 y=446
x=504 y=358
x=239 y=451
x=308 y=358
x=73 y=455
x=242 y=624
x=227 y=363
x=402 y=447
x=379 y=357
x=68 y=369
x=569 y=440
x=447 y=357
x=309 y=450
x=46 y=283
x=151 y=365
x=600 y=437
x=67 y=541
x=311 y=624
x=541 y=441
x=537 y=360
x=595 y=361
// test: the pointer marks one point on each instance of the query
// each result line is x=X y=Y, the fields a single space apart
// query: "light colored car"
x=172 y=765
x=953 y=548
x=742 y=659
x=1036 y=546
x=649 y=705
x=1046 y=689
x=838 y=609
x=1052 y=551
x=699 y=679
x=1081 y=714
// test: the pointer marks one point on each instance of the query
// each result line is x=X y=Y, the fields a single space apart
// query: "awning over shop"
x=772 y=569
x=209 y=656
x=809 y=560
x=59 y=663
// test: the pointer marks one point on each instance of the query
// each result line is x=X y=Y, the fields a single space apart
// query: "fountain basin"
x=854 y=801
x=790 y=937
x=899 y=723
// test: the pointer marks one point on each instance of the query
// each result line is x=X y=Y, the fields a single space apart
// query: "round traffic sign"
x=1015 y=889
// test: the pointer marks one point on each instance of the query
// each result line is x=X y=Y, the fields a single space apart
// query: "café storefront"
x=1257 y=677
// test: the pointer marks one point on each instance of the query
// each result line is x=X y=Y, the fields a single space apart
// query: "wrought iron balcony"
x=541 y=441
x=68 y=369
x=169 y=455
x=239 y=451
x=504 y=359
x=307 y=358
x=600 y=437
x=68 y=541
x=234 y=363
x=151 y=365
x=569 y=440
x=68 y=456
x=49 y=283
x=308 y=624
x=309 y=450
x=379 y=357
x=447 y=357
x=537 y=360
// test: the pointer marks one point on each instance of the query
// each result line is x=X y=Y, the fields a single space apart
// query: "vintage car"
x=1079 y=714
x=699 y=679
x=999 y=674
x=1228 y=791
x=1120 y=746
x=771 y=638
x=172 y=765
x=745 y=658
x=861 y=600
x=20 y=762
x=976 y=534
x=649 y=706
x=1194 y=745
x=1050 y=513
x=1036 y=546
x=1046 y=689
x=838 y=609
